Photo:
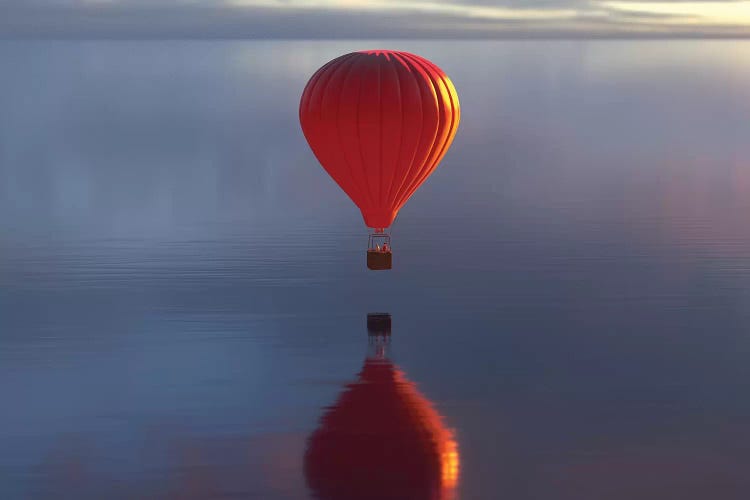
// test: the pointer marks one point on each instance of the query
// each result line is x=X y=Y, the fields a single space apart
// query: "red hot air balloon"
x=379 y=121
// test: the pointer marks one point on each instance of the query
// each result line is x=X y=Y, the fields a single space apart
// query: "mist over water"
x=183 y=291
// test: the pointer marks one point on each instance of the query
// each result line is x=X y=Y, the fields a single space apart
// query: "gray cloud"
x=195 y=19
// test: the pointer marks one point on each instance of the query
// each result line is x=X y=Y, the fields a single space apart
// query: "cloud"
x=366 y=18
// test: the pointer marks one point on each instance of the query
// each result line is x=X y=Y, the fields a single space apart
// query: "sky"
x=372 y=18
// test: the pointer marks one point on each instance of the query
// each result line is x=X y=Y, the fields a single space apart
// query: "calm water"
x=183 y=294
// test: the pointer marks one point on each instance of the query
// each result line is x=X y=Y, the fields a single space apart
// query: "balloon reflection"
x=382 y=439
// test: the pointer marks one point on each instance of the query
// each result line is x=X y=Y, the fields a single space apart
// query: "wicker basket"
x=379 y=261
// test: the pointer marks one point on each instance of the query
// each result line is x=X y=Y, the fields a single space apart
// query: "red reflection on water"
x=383 y=439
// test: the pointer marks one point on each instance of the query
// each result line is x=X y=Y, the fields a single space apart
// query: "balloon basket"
x=379 y=255
x=379 y=261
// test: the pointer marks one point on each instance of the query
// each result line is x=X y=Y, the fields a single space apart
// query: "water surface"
x=183 y=293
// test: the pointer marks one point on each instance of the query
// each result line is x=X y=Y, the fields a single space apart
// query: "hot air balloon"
x=379 y=122
x=382 y=439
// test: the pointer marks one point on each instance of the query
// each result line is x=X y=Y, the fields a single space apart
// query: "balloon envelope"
x=379 y=122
